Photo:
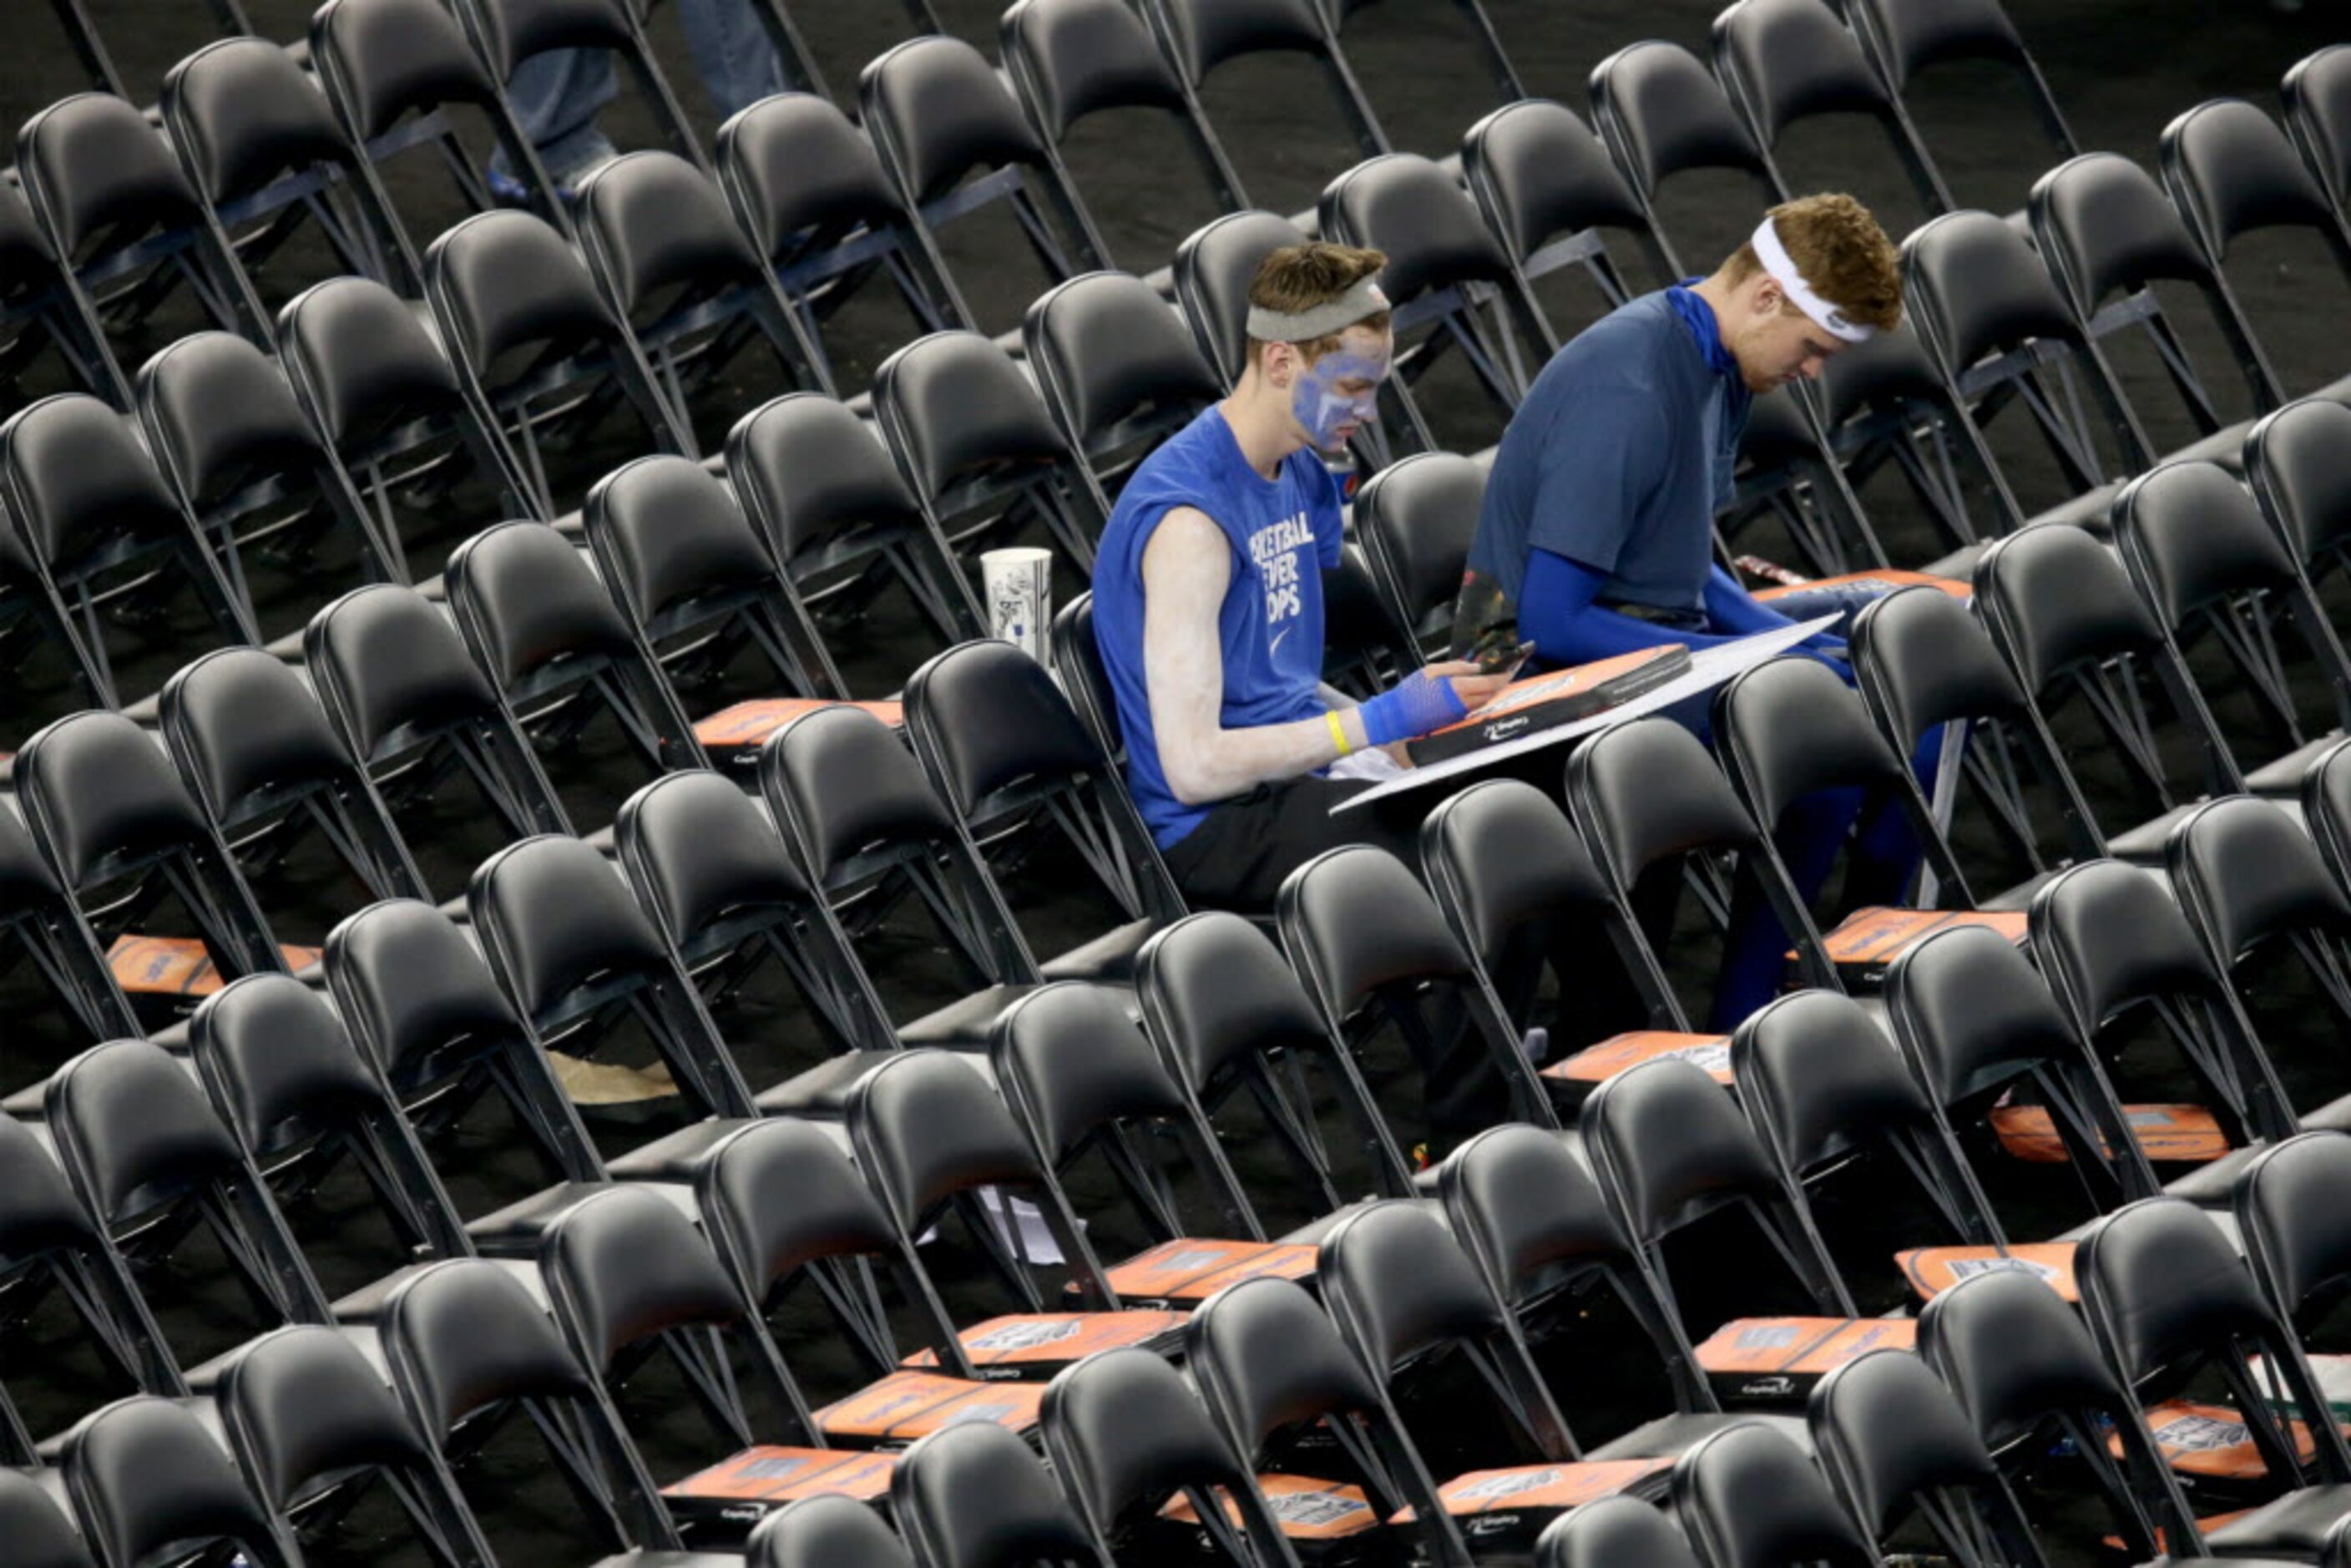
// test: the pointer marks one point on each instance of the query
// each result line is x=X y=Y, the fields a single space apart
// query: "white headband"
x=1364 y=299
x=1782 y=269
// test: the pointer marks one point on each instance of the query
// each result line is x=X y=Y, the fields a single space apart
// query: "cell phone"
x=1503 y=656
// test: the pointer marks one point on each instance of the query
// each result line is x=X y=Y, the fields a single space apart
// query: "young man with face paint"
x=1208 y=595
x=1597 y=525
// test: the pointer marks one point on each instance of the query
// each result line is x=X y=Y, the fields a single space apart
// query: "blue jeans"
x=557 y=95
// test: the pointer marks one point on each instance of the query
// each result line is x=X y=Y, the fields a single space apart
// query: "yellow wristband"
x=1338 y=732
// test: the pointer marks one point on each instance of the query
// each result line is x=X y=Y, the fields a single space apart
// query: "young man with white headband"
x=1208 y=593
x=1598 y=521
x=1597 y=526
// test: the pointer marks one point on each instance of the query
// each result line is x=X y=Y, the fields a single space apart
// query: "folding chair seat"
x=125 y=838
x=1526 y=1210
x=1127 y=1436
x=1896 y=1446
x=2232 y=173
x=2108 y=232
x=1093 y=1094
x=375 y=386
x=1614 y=1530
x=579 y=959
x=1007 y=754
x=1997 y=331
x=1415 y=519
x=307 y=1417
x=255 y=749
x=294 y=1089
x=2077 y=636
x=88 y=505
x=711 y=871
x=630 y=1284
x=806 y=189
x=507 y=32
x=866 y=830
x=2251 y=883
x=1784 y=61
x=698 y=589
x=932 y=1139
x=976 y=1496
x=1668 y=1148
x=952 y=138
x=395 y=70
x=825 y=496
x=411 y=707
x=671 y=263
x=2109 y=939
x=2220 y=577
x=128 y=230
x=556 y=648
x=2166 y=1294
x=2023 y=1367
x=1906 y=39
x=239 y=456
x=826 y=1532
x=1790 y=732
x=1376 y=955
x=1449 y=283
x=1229 y=1016
x=262 y=147
x=147 y=1478
x=1546 y=186
x=536 y=351
x=424 y=1007
x=469 y=1349
x=1405 y=1301
x=152 y=1162
x=40 y=313
x=1652 y=806
x=1749 y=1497
x=1202 y=35
x=56 y=1250
x=1519 y=889
x=1826 y=1092
x=1922 y=661
x=40 y=924
x=39 y=1529
x=975 y=445
x=1990 y=1049
x=1118 y=369
x=1069 y=60
x=1270 y=1367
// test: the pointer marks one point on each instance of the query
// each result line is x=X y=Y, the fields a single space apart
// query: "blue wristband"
x=1413 y=706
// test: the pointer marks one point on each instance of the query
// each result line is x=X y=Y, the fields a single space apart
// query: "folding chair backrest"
x=1908 y=37
x=1749 y=1497
x=2315 y=94
x=1783 y=61
x=975 y=1495
x=1200 y=36
x=1819 y=1081
x=1895 y=1444
x=1124 y=1431
x=34 y=299
x=1546 y=186
x=1661 y=113
x=1415 y=519
x=1613 y=1529
x=2232 y=171
x=826 y=1532
x=2296 y=1243
x=145 y=1476
x=37 y=1529
x=1118 y=367
x=2301 y=473
x=1213 y=269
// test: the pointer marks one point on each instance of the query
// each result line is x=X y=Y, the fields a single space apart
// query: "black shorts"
x=1237 y=856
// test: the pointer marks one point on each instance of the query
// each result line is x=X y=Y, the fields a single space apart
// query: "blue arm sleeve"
x=1556 y=613
x=1732 y=608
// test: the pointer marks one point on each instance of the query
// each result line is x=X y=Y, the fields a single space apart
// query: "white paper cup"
x=1018 y=587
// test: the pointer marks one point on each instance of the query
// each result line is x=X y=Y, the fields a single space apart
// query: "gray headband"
x=1365 y=299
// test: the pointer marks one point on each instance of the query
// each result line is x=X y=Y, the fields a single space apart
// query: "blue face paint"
x=1320 y=407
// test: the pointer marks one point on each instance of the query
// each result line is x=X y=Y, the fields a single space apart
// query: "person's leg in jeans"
x=732 y=53
x=556 y=96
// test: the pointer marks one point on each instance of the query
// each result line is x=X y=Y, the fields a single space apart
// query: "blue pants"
x=557 y=95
